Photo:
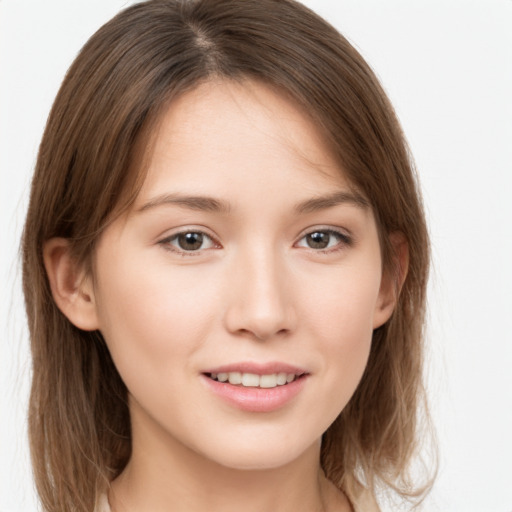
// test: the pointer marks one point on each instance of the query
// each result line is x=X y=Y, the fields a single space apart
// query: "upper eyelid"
x=330 y=229
x=345 y=240
x=165 y=241
x=169 y=234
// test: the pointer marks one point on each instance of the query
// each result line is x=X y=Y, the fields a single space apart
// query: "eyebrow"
x=331 y=200
x=210 y=204
x=199 y=203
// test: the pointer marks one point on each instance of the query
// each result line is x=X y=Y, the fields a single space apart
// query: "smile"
x=253 y=380
x=256 y=387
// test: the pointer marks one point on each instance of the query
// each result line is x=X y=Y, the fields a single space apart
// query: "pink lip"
x=256 y=399
x=257 y=368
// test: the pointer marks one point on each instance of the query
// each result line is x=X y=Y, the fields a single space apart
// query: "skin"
x=254 y=291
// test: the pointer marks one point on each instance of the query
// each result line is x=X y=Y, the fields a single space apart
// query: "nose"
x=260 y=301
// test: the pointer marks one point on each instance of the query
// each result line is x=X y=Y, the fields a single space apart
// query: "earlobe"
x=72 y=290
x=392 y=280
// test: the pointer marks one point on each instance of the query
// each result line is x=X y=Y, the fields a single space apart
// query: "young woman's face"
x=239 y=296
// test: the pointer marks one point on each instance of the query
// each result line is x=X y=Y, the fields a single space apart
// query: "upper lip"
x=258 y=368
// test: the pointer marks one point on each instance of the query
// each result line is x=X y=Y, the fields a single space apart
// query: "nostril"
x=262 y=334
x=260 y=309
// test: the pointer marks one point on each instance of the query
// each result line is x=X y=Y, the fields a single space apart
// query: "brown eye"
x=318 y=240
x=188 y=241
x=324 y=239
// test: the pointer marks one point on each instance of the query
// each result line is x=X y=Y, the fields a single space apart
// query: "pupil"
x=318 y=240
x=190 y=241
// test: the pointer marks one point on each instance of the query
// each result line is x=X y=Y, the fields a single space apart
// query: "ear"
x=71 y=288
x=392 y=279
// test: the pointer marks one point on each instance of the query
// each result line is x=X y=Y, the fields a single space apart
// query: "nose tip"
x=260 y=304
x=263 y=327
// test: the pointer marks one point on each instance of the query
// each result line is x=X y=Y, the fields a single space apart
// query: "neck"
x=173 y=477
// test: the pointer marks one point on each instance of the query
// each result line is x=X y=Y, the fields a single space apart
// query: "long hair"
x=89 y=169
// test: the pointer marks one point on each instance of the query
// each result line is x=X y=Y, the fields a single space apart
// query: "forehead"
x=226 y=134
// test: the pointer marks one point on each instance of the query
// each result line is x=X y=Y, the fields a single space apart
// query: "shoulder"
x=103 y=505
x=365 y=503
x=361 y=499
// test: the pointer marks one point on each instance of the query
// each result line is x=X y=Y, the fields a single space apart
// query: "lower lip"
x=256 y=399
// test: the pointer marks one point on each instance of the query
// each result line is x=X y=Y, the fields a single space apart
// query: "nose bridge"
x=260 y=302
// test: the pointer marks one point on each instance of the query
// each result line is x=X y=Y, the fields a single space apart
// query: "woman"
x=225 y=262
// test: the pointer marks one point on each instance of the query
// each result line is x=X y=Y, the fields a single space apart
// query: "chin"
x=262 y=452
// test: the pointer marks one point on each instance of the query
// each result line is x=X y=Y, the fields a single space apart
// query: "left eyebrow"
x=328 y=201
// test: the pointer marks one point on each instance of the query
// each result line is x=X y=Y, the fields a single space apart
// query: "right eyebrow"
x=199 y=203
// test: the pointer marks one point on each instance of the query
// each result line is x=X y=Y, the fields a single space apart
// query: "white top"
x=103 y=504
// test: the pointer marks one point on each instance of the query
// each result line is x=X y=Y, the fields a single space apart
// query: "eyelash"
x=167 y=242
x=343 y=241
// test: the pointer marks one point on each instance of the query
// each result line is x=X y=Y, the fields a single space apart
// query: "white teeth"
x=235 y=378
x=250 y=380
x=281 y=379
x=268 y=381
x=253 y=380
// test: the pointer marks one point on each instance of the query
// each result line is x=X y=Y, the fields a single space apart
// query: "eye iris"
x=318 y=240
x=190 y=241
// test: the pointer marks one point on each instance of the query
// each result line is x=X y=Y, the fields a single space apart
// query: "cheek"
x=149 y=313
x=341 y=312
x=342 y=304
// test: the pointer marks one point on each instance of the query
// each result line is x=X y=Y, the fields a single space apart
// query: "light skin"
x=246 y=244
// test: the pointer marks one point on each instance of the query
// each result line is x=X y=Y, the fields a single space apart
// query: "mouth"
x=254 y=380
x=256 y=387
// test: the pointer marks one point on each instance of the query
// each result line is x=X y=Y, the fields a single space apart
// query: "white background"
x=447 y=66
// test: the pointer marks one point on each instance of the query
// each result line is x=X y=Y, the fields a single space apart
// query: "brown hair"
x=88 y=170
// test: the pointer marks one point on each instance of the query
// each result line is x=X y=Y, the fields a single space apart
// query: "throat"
x=181 y=480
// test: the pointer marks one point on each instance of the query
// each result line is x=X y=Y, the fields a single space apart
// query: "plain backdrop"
x=447 y=66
